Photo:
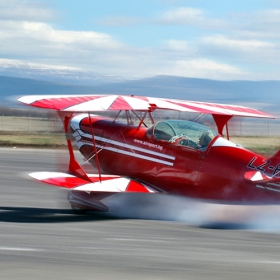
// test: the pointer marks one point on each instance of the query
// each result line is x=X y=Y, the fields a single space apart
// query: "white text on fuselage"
x=145 y=143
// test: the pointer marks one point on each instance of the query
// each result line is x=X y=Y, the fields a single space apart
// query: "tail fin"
x=268 y=171
x=273 y=165
x=275 y=158
x=268 y=175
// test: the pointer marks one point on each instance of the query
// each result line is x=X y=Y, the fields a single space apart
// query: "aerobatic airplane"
x=171 y=156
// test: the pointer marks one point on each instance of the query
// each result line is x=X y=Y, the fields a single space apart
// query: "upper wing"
x=91 y=103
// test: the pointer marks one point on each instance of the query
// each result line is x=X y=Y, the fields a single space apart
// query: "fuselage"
x=176 y=165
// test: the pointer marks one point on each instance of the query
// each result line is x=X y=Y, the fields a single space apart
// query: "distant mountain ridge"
x=262 y=95
x=61 y=74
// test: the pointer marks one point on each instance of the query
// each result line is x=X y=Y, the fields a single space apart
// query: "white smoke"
x=194 y=212
x=189 y=211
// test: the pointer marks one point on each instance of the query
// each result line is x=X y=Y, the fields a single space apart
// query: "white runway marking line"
x=19 y=249
x=269 y=262
x=135 y=240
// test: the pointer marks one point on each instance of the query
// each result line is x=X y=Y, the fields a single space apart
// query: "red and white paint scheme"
x=171 y=156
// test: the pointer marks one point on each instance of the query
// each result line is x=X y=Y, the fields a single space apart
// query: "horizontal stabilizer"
x=263 y=181
x=108 y=183
x=256 y=176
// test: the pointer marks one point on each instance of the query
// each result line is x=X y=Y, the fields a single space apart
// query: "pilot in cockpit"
x=205 y=139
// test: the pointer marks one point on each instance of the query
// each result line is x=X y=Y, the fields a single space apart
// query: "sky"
x=222 y=40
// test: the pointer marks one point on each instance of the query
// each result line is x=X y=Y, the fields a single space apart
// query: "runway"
x=40 y=238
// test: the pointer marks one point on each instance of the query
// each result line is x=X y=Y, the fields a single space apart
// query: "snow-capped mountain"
x=60 y=74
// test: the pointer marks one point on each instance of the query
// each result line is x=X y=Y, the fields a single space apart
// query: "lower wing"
x=84 y=195
x=107 y=183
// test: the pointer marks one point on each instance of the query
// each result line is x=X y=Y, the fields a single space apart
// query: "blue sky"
x=225 y=40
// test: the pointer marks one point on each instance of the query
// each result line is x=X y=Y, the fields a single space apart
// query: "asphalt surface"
x=41 y=239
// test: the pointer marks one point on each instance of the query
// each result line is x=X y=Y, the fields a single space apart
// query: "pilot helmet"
x=207 y=137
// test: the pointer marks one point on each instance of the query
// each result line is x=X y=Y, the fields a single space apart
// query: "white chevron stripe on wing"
x=165 y=104
x=99 y=104
x=114 y=185
x=136 y=103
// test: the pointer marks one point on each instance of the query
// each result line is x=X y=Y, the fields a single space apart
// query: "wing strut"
x=117 y=115
x=94 y=148
x=151 y=117
x=74 y=167
x=141 y=120
x=227 y=131
x=221 y=121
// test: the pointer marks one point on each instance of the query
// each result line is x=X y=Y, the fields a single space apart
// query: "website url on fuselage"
x=151 y=145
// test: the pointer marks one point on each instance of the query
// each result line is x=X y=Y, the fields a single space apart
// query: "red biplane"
x=171 y=156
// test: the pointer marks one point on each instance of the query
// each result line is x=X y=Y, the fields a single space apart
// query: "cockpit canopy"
x=184 y=133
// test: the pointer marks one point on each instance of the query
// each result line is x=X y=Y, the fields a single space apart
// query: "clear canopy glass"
x=184 y=133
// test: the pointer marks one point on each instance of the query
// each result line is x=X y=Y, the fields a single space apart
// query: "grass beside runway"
x=260 y=144
x=36 y=140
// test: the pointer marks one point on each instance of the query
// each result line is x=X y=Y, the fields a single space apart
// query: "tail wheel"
x=77 y=210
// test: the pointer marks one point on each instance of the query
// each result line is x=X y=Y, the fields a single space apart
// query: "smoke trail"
x=195 y=212
x=189 y=211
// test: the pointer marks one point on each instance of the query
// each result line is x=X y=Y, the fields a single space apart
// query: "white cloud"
x=13 y=63
x=191 y=16
x=179 y=45
x=40 y=39
x=259 y=25
x=250 y=52
x=271 y=16
x=26 y=34
x=237 y=45
x=23 y=10
x=266 y=23
x=183 y=15
x=209 y=65
x=203 y=68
